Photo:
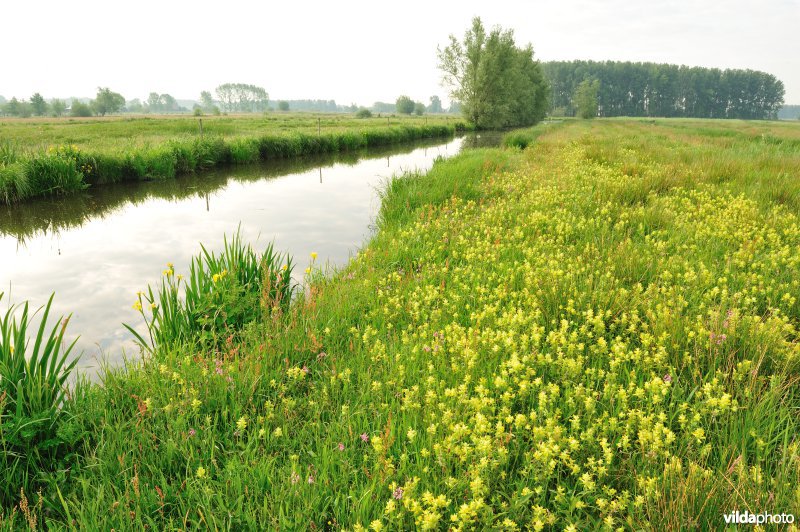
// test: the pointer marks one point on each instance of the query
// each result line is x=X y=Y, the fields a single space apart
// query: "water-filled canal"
x=95 y=250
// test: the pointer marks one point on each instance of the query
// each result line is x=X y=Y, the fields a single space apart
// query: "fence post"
x=201 y=127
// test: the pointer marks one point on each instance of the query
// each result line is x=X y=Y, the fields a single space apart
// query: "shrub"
x=80 y=109
x=364 y=113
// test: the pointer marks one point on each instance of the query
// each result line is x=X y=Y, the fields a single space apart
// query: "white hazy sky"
x=362 y=51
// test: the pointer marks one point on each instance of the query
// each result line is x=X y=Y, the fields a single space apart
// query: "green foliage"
x=522 y=138
x=162 y=103
x=585 y=98
x=207 y=101
x=597 y=332
x=32 y=396
x=222 y=294
x=283 y=105
x=498 y=84
x=419 y=108
x=38 y=105
x=243 y=98
x=68 y=168
x=363 y=113
x=107 y=101
x=15 y=107
x=404 y=105
x=436 y=105
x=80 y=109
x=651 y=89
x=58 y=107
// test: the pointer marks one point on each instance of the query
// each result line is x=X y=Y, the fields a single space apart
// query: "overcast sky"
x=362 y=51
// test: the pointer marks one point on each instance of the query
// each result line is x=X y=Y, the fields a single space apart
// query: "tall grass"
x=68 y=168
x=33 y=376
x=222 y=294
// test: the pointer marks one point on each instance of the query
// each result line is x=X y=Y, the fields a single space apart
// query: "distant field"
x=113 y=134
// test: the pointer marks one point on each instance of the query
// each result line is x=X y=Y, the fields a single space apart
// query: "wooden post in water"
x=320 y=174
x=201 y=127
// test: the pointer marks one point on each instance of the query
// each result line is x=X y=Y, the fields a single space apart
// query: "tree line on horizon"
x=665 y=90
x=495 y=84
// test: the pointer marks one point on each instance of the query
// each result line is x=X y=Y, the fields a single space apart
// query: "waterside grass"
x=599 y=331
x=27 y=172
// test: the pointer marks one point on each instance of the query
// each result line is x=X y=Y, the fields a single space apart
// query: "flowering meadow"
x=599 y=331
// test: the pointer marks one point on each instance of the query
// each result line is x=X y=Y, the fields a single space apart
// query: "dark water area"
x=97 y=249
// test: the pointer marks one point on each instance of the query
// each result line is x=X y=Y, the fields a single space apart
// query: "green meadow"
x=594 y=327
x=56 y=156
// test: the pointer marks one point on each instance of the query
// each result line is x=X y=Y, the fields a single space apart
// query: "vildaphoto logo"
x=746 y=518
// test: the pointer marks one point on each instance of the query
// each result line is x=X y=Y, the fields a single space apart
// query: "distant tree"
x=419 y=108
x=455 y=107
x=243 y=98
x=107 y=101
x=38 y=105
x=168 y=103
x=2 y=100
x=154 y=102
x=363 y=113
x=80 y=109
x=135 y=106
x=58 y=107
x=207 y=101
x=498 y=84
x=436 y=105
x=404 y=105
x=585 y=99
x=653 y=89
x=384 y=107
x=197 y=110
x=283 y=105
x=12 y=107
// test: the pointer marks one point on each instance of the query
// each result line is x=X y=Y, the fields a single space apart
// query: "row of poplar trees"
x=651 y=89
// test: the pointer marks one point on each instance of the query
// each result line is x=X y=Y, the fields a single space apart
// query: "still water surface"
x=97 y=249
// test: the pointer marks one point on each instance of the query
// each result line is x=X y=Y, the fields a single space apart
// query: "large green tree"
x=107 y=101
x=497 y=83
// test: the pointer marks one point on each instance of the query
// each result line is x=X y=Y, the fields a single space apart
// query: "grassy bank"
x=99 y=157
x=597 y=331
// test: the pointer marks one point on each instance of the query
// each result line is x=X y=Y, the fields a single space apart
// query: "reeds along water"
x=67 y=169
x=221 y=295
